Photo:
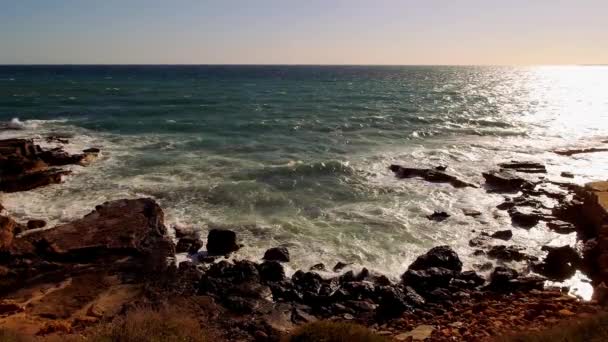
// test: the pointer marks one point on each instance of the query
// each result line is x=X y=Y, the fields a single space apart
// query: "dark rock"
x=221 y=242
x=190 y=245
x=92 y=150
x=271 y=271
x=394 y=300
x=57 y=139
x=429 y=175
x=472 y=278
x=525 y=166
x=277 y=254
x=502 y=279
x=509 y=253
x=503 y=235
x=438 y=216
x=7 y=232
x=340 y=266
x=567 y=174
x=479 y=241
x=318 y=267
x=484 y=267
x=441 y=167
x=307 y=281
x=441 y=256
x=560 y=263
x=505 y=181
x=561 y=227
x=428 y=279
x=33 y=180
x=524 y=219
x=580 y=151
x=59 y=157
x=35 y=224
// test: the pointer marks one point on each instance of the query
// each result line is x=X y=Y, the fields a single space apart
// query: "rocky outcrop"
x=277 y=254
x=572 y=152
x=430 y=175
x=595 y=210
x=524 y=166
x=222 y=242
x=25 y=165
x=506 y=181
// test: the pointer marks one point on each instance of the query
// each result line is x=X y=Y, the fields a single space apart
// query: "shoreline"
x=434 y=284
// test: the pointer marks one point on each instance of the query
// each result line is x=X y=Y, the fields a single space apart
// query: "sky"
x=397 y=32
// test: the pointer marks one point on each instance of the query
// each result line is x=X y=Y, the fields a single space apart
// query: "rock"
x=59 y=157
x=560 y=263
x=57 y=139
x=508 y=253
x=505 y=181
x=124 y=227
x=572 y=152
x=35 y=224
x=318 y=267
x=441 y=167
x=524 y=219
x=428 y=279
x=479 y=241
x=441 y=256
x=600 y=294
x=429 y=175
x=34 y=180
x=92 y=150
x=420 y=333
x=525 y=166
x=503 y=235
x=501 y=279
x=190 y=245
x=567 y=174
x=438 y=216
x=561 y=227
x=183 y=231
x=277 y=254
x=394 y=300
x=471 y=212
x=271 y=271
x=7 y=232
x=221 y=242
x=340 y=266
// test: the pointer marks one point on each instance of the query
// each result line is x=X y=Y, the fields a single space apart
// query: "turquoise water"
x=298 y=155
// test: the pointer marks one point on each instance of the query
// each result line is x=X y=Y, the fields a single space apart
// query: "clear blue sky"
x=304 y=32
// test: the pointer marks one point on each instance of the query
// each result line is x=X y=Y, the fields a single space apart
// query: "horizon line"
x=297 y=64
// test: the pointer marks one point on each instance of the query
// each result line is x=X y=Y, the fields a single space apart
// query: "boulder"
x=123 y=227
x=7 y=232
x=395 y=300
x=35 y=224
x=566 y=174
x=430 y=175
x=318 y=267
x=438 y=216
x=502 y=279
x=471 y=212
x=441 y=256
x=503 y=235
x=221 y=242
x=277 y=254
x=561 y=227
x=271 y=271
x=509 y=253
x=429 y=279
x=505 y=181
x=524 y=166
x=340 y=266
x=188 y=244
x=524 y=218
x=560 y=263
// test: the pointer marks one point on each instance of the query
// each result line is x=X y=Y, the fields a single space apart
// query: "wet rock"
x=561 y=227
x=441 y=256
x=441 y=167
x=567 y=174
x=271 y=271
x=503 y=235
x=523 y=218
x=33 y=180
x=572 y=152
x=340 y=266
x=429 y=175
x=318 y=267
x=35 y=224
x=394 y=300
x=307 y=281
x=221 y=242
x=509 y=253
x=188 y=244
x=438 y=216
x=277 y=254
x=524 y=166
x=505 y=181
x=471 y=212
x=57 y=139
x=479 y=241
x=428 y=279
x=471 y=278
x=560 y=263
x=59 y=157
x=92 y=150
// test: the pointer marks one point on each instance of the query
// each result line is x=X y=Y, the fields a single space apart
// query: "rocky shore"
x=62 y=279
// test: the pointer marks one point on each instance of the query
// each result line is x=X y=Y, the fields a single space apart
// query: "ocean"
x=298 y=155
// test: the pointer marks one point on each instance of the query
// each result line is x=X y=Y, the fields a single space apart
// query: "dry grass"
x=328 y=331
x=11 y=336
x=593 y=329
x=149 y=325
